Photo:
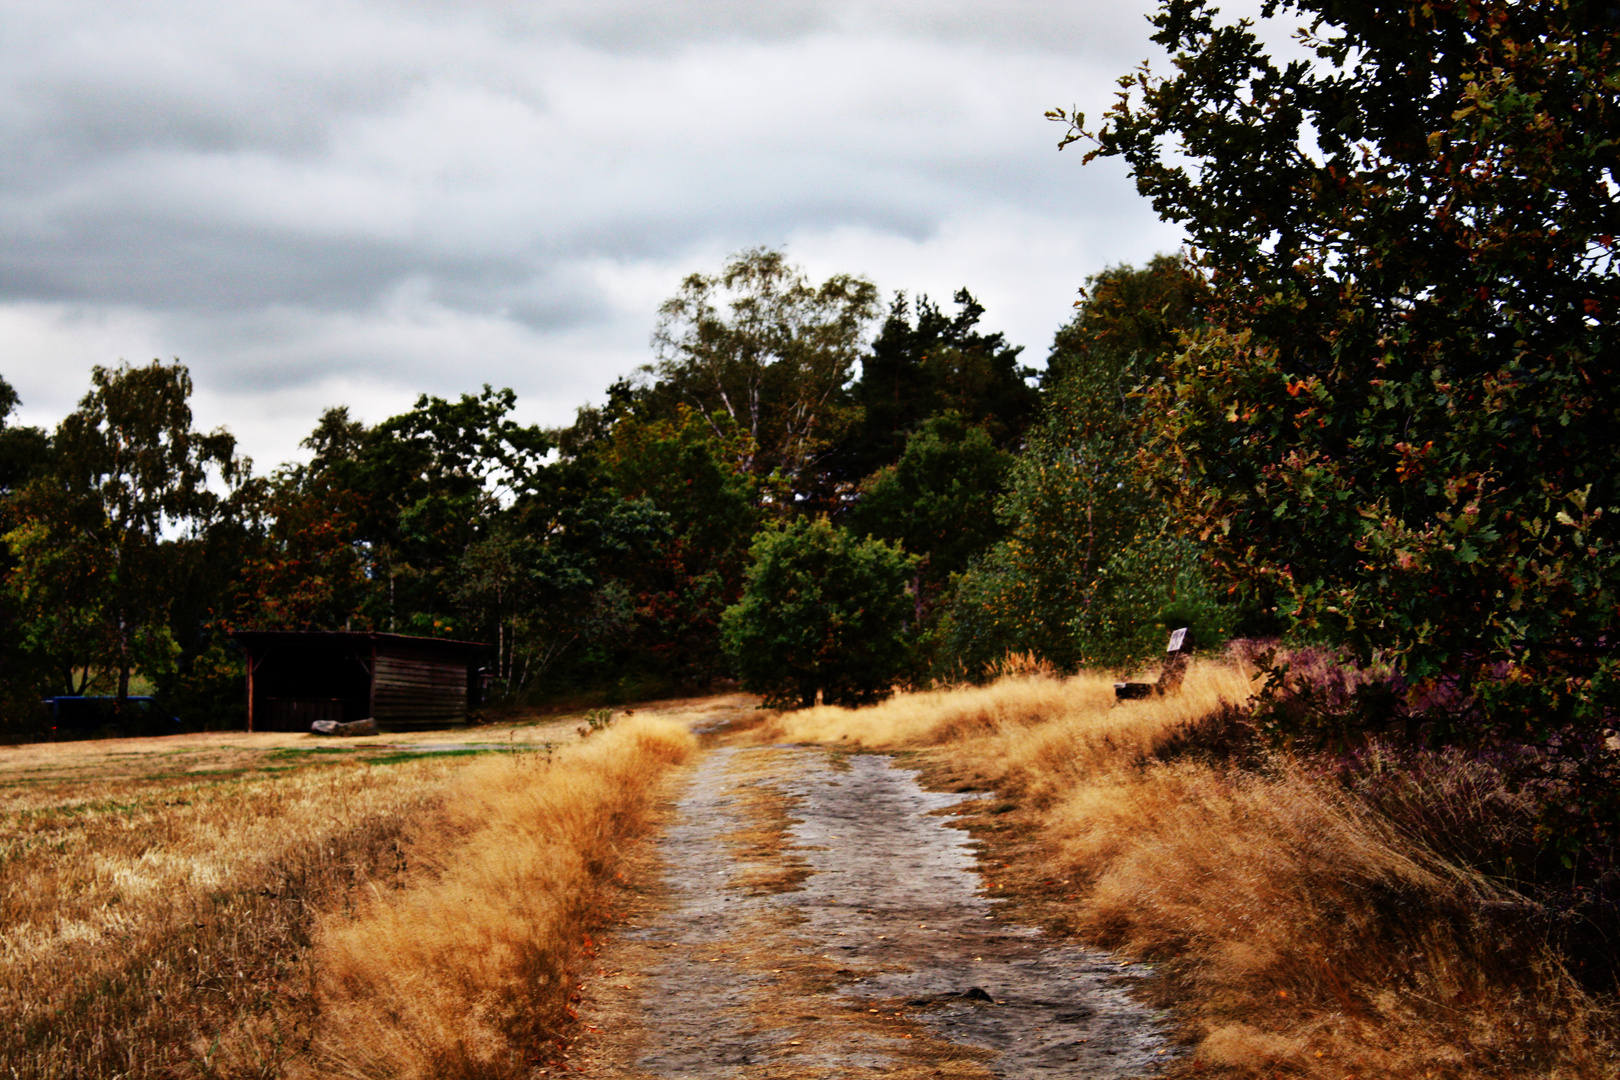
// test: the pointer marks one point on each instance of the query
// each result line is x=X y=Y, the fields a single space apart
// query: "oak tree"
x=1402 y=412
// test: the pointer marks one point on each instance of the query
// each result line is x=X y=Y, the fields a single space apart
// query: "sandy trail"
x=819 y=917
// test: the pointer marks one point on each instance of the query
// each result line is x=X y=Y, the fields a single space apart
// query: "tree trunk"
x=123 y=663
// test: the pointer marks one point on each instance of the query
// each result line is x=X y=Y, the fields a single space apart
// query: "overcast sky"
x=349 y=202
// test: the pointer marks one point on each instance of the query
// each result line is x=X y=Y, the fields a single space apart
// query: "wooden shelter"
x=294 y=679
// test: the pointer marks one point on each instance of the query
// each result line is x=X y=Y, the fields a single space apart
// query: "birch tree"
x=758 y=348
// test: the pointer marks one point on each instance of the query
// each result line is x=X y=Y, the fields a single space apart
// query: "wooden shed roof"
x=259 y=638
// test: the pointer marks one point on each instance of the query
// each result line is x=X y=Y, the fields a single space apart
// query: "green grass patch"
x=300 y=751
x=398 y=756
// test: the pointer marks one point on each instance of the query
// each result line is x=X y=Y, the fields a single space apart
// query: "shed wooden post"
x=250 y=688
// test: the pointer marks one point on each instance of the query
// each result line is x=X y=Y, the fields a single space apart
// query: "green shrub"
x=822 y=613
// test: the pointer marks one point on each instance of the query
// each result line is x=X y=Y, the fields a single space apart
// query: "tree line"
x=780 y=421
x=1372 y=405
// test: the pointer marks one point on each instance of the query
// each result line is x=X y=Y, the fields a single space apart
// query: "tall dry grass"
x=159 y=925
x=1300 y=932
x=1030 y=735
x=467 y=974
x=187 y=908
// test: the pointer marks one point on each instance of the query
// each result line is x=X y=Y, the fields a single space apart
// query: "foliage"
x=498 y=588
x=1402 y=412
x=761 y=347
x=583 y=554
x=95 y=571
x=307 y=573
x=941 y=363
x=1088 y=573
x=938 y=500
x=373 y=531
x=684 y=470
x=997 y=609
x=429 y=482
x=307 y=570
x=1152 y=586
x=447 y=521
x=445 y=463
x=822 y=613
x=544 y=588
x=24 y=678
x=1126 y=325
x=57 y=591
x=205 y=688
x=608 y=565
x=24 y=451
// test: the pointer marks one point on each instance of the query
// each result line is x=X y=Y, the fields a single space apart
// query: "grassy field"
x=1299 y=930
x=276 y=905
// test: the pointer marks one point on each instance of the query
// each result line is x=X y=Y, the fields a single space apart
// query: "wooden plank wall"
x=412 y=689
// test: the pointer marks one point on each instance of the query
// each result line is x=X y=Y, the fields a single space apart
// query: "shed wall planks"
x=418 y=690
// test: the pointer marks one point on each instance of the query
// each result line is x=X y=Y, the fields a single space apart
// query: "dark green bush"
x=823 y=613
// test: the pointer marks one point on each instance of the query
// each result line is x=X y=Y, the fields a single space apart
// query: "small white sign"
x=1176 y=638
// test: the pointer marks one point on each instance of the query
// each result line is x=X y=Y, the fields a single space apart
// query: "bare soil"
x=815 y=914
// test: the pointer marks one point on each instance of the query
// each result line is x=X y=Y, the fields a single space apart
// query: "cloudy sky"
x=351 y=202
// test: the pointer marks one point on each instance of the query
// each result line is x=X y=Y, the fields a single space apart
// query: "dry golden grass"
x=160 y=899
x=1033 y=735
x=1299 y=933
x=467 y=974
x=149 y=920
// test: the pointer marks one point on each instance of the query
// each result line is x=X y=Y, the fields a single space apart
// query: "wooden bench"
x=1177 y=656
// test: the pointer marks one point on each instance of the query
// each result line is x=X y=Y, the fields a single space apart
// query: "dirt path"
x=819 y=917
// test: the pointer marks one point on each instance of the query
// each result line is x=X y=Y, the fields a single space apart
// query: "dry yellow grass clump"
x=466 y=974
x=1298 y=932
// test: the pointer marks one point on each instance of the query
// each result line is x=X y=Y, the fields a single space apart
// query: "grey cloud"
x=648 y=25
x=91 y=81
x=424 y=194
x=205 y=267
x=651 y=25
